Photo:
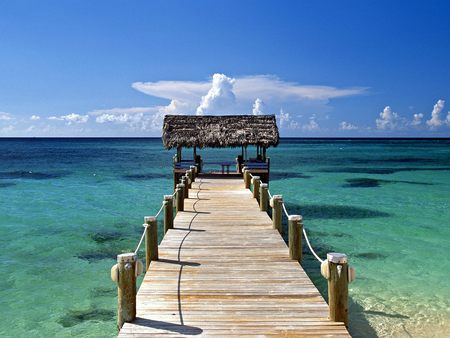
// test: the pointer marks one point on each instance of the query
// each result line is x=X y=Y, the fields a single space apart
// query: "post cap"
x=168 y=197
x=335 y=257
x=264 y=185
x=149 y=219
x=180 y=185
x=295 y=218
x=277 y=197
x=126 y=257
x=256 y=177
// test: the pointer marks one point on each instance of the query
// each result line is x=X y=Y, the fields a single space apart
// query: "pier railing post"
x=256 y=181
x=168 y=212
x=276 y=204
x=246 y=178
x=338 y=287
x=295 y=237
x=263 y=196
x=126 y=288
x=189 y=177
x=193 y=169
x=180 y=197
x=184 y=181
x=151 y=240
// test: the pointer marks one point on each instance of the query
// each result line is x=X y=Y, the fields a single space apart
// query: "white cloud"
x=435 y=120
x=417 y=120
x=312 y=124
x=219 y=97
x=35 y=117
x=130 y=110
x=71 y=118
x=174 y=90
x=7 y=129
x=258 y=107
x=347 y=126
x=286 y=120
x=388 y=119
x=5 y=116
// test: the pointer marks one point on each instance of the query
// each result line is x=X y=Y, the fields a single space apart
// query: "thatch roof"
x=219 y=131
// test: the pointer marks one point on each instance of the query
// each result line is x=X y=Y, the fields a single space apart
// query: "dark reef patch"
x=327 y=211
x=374 y=183
x=381 y=171
x=106 y=236
x=103 y=292
x=32 y=175
x=370 y=255
x=145 y=177
x=7 y=184
x=276 y=176
x=75 y=317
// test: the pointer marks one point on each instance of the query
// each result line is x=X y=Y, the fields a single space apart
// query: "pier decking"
x=224 y=271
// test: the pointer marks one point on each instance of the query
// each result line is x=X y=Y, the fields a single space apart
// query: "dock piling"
x=295 y=237
x=180 y=197
x=276 y=204
x=338 y=287
x=184 y=181
x=246 y=178
x=126 y=288
x=256 y=181
x=168 y=212
x=263 y=196
x=151 y=240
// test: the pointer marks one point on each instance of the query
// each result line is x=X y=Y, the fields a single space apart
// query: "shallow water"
x=68 y=206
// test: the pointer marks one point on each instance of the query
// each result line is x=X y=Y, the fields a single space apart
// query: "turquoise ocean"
x=69 y=206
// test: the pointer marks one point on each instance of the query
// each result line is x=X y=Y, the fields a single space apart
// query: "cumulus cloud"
x=219 y=97
x=258 y=107
x=7 y=129
x=35 y=117
x=312 y=124
x=388 y=119
x=435 y=120
x=5 y=116
x=347 y=126
x=71 y=118
x=417 y=119
x=286 y=120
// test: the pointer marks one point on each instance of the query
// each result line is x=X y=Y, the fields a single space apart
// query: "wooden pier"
x=223 y=270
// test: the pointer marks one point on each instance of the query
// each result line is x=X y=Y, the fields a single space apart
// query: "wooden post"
x=168 y=212
x=180 y=197
x=151 y=240
x=184 y=180
x=276 y=204
x=178 y=154
x=247 y=178
x=256 y=182
x=263 y=196
x=126 y=288
x=338 y=287
x=194 y=171
x=190 y=174
x=264 y=154
x=295 y=237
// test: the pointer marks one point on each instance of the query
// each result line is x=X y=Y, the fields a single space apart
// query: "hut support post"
x=178 y=154
x=125 y=271
x=195 y=153
x=295 y=237
x=256 y=183
x=338 y=287
x=263 y=197
x=151 y=240
x=180 y=197
x=264 y=154
x=168 y=212
x=276 y=204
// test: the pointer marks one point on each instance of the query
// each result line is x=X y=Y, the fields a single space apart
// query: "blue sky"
x=325 y=68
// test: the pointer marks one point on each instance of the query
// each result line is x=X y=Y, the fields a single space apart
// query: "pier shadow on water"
x=75 y=317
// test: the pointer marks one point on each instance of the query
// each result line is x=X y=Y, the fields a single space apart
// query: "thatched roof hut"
x=219 y=131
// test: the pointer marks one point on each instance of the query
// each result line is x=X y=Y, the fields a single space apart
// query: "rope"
x=310 y=247
x=285 y=211
x=173 y=195
x=161 y=209
x=142 y=238
x=270 y=195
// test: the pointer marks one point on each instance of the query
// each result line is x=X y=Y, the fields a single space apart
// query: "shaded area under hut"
x=229 y=131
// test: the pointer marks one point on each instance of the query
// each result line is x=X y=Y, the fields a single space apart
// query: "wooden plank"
x=223 y=271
